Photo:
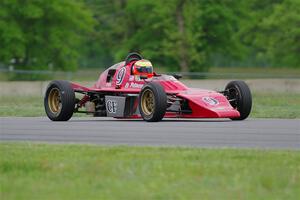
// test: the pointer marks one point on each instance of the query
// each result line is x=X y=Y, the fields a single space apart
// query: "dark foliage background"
x=179 y=35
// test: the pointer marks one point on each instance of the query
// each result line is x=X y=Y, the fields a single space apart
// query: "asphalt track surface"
x=251 y=133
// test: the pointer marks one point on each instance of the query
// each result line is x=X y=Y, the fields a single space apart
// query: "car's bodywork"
x=117 y=91
x=131 y=89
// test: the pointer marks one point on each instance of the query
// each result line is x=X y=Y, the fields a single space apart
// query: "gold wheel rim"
x=148 y=102
x=54 y=101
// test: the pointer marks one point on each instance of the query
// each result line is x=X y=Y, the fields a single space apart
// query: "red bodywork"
x=118 y=80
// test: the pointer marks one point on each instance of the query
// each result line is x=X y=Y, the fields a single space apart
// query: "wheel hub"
x=148 y=102
x=233 y=96
x=54 y=101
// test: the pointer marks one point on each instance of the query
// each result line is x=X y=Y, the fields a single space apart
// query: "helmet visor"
x=144 y=69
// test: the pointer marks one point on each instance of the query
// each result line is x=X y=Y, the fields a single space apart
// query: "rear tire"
x=59 y=101
x=239 y=95
x=152 y=102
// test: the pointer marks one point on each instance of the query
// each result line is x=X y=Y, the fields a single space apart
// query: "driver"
x=142 y=68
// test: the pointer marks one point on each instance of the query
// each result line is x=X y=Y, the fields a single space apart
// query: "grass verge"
x=276 y=105
x=265 y=105
x=91 y=74
x=40 y=171
x=257 y=70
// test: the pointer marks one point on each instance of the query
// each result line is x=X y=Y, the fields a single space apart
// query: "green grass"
x=26 y=106
x=21 y=106
x=272 y=105
x=257 y=70
x=40 y=171
x=92 y=74
x=276 y=105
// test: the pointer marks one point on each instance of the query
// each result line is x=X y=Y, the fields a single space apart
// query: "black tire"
x=240 y=98
x=59 y=101
x=159 y=104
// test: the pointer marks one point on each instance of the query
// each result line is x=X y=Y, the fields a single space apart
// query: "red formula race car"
x=131 y=89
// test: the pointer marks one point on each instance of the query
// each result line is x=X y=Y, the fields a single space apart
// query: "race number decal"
x=211 y=101
x=121 y=75
x=111 y=106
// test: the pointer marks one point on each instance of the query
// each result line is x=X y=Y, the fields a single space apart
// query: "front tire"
x=240 y=98
x=152 y=102
x=59 y=101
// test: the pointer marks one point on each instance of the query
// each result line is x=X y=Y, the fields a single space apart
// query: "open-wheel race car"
x=131 y=89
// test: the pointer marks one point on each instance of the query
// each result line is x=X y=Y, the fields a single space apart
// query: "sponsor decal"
x=131 y=78
x=126 y=85
x=220 y=108
x=121 y=75
x=136 y=85
x=137 y=78
x=211 y=101
x=111 y=106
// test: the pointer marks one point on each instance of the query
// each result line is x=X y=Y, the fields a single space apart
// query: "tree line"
x=181 y=35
